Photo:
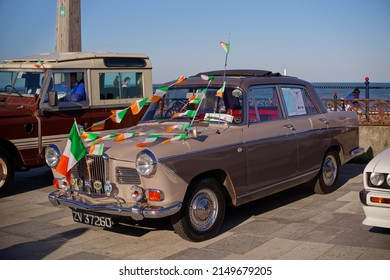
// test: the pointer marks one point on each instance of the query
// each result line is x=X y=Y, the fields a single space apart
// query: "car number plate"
x=92 y=219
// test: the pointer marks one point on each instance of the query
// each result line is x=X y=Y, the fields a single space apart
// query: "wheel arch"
x=223 y=180
x=13 y=153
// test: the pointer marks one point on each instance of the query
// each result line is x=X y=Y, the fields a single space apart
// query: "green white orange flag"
x=74 y=151
x=176 y=137
x=207 y=78
x=150 y=139
x=98 y=125
x=188 y=113
x=123 y=136
x=178 y=126
x=225 y=46
x=106 y=137
x=89 y=136
x=180 y=80
x=118 y=115
x=96 y=149
x=221 y=90
x=160 y=92
x=136 y=106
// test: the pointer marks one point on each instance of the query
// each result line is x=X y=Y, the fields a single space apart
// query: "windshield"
x=21 y=82
x=197 y=104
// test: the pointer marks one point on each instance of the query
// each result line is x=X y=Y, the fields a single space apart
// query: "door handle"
x=289 y=126
x=324 y=120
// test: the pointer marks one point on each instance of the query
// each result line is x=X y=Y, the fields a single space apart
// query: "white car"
x=375 y=196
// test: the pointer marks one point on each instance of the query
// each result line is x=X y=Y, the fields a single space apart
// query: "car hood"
x=127 y=150
x=380 y=163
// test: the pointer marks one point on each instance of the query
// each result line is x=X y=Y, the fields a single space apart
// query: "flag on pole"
x=176 y=137
x=136 y=106
x=96 y=149
x=207 y=78
x=73 y=152
x=118 y=115
x=221 y=91
x=160 y=92
x=225 y=46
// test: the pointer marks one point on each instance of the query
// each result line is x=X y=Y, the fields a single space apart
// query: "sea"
x=375 y=90
x=327 y=90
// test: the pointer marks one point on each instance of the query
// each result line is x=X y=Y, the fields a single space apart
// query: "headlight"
x=52 y=155
x=388 y=179
x=377 y=179
x=146 y=163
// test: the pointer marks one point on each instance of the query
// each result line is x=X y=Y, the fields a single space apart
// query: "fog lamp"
x=107 y=187
x=136 y=193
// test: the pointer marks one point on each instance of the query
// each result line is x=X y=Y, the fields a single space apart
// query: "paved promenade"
x=294 y=224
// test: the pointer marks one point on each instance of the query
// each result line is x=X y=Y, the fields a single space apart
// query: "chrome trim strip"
x=135 y=212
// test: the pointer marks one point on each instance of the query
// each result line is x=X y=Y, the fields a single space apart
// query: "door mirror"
x=53 y=98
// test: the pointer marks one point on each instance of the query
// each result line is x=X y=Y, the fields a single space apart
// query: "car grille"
x=127 y=175
x=91 y=169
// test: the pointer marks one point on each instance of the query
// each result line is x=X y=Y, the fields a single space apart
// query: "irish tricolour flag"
x=74 y=151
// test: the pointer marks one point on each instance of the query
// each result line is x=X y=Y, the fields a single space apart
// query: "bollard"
x=367 y=83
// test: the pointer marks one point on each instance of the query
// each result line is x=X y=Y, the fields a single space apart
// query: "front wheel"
x=6 y=172
x=202 y=213
x=326 y=180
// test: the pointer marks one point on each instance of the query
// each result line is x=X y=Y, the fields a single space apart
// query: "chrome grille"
x=127 y=175
x=90 y=169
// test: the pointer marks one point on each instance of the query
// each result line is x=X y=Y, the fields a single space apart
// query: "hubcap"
x=329 y=170
x=203 y=210
x=3 y=172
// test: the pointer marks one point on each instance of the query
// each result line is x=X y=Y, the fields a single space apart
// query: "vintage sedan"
x=375 y=197
x=218 y=138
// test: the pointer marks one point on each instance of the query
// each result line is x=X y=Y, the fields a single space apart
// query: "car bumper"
x=377 y=214
x=136 y=212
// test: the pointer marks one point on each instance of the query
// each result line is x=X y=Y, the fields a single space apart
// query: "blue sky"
x=318 y=41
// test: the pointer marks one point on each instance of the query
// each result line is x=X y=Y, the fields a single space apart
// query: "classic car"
x=375 y=197
x=217 y=139
x=35 y=108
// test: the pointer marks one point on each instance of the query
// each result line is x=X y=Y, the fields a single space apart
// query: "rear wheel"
x=6 y=172
x=202 y=213
x=326 y=180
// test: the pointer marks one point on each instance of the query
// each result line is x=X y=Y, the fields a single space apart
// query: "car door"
x=309 y=125
x=270 y=143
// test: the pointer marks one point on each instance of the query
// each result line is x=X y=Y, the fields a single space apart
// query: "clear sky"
x=318 y=41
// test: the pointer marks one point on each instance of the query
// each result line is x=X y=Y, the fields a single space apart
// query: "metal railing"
x=370 y=111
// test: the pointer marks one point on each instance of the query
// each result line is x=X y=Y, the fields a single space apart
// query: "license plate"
x=92 y=219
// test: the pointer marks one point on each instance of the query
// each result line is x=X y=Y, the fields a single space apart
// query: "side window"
x=69 y=87
x=120 y=85
x=297 y=102
x=264 y=104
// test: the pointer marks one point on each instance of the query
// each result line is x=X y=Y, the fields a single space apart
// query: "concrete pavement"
x=294 y=224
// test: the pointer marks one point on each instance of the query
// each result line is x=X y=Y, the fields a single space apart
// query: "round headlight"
x=377 y=179
x=388 y=179
x=146 y=163
x=52 y=155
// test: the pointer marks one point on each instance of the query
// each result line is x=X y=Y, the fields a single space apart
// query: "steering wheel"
x=9 y=86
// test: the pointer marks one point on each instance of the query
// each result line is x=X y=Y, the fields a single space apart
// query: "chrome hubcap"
x=203 y=210
x=329 y=170
x=3 y=172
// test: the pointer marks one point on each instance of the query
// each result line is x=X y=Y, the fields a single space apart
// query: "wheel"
x=6 y=172
x=202 y=213
x=326 y=180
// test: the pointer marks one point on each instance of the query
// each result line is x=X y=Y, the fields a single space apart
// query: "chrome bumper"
x=135 y=212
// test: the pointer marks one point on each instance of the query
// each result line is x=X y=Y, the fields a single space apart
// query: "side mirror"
x=53 y=98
